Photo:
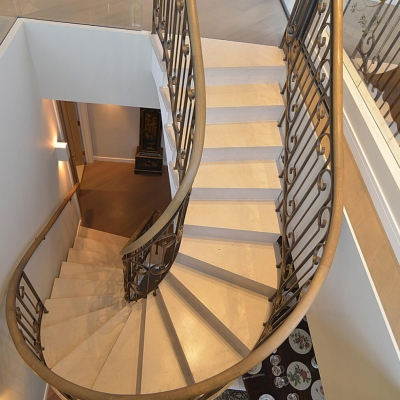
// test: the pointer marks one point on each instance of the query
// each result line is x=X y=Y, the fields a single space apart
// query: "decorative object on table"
x=278 y=370
x=292 y=396
x=317 y=390
x=300 y=341
x=149 y=154
x=275 y=359
x=314 y=362
x=256 y=369
x=266 y=397
x=281 y=381
x=299 y=375
x=230 y=394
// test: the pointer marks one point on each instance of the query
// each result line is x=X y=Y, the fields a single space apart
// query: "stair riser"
x=103 y=237
x=234 y=194
x=241 y=153
x=230 y=234
x=91 y=258
x=96 y=247
x=224 y=115
x=64 y=309
x=242 y=76
x=66 y=288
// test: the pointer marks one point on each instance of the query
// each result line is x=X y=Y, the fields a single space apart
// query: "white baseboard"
x=114 y=159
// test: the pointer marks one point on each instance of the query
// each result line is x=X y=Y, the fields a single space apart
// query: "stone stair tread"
x=224 y=53
x=259 y=216
x=243 y=312
x=63 y=288
x=93 y=258
x=119 y=372
x=102 y=236
x=90 y=272
x=267 y=94
x=238 y=174
x=84 y=363
x=61 y=339
x=248 y=134
x=198 y=339
x=63 y=309
x=82 y=243
x=231 y=255
x=169 y=375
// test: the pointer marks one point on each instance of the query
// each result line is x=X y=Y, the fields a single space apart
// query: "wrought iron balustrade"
x=148 y=258
x=374 y=49
x=312 y=127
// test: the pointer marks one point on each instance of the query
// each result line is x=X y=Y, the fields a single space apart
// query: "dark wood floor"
x=115 y=200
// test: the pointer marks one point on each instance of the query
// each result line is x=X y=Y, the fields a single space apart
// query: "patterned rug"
x=233 y=395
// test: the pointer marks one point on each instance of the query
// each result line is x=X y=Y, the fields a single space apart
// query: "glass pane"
x=111 y=13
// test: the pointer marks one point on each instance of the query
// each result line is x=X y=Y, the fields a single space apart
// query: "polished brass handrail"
x=202 y=390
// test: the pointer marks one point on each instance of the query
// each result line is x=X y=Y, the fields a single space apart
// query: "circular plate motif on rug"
x=255 y=370
x=266 y=397
x=317 y=390
x=299 y=375
x=300 y=341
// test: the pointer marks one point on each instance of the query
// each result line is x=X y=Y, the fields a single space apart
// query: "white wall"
x=363 y=128
x=114 y=131
x=33 y=184
x=357 y=355
x=92 y=65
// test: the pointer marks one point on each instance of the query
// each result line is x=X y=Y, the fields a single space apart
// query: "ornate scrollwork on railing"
x=172 y=26
x=29 y=311
x=147 y=266
x=377 y=55
x=306 y=205
x=146 y=262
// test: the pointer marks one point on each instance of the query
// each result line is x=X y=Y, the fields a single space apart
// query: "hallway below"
x=115 y=200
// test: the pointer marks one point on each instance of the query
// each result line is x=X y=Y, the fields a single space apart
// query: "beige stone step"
x=63 y=288
x=243 y=312
x=198 y=339
x=90 y=257
x=90 y=272
x=84 y=363
x=247 y=180
x=240 y=103
x=61 y=339
x=119 y=372
x=159 y=357
x=82 y=243
x=60 y=310
x=238 y=141
x=224 y=53
x=103 y=237
x=230 y=256
x=234 y=220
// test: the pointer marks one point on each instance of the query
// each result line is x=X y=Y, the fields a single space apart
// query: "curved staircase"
x=210 y=309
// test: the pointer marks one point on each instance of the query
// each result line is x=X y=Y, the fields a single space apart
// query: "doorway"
x=71 y=127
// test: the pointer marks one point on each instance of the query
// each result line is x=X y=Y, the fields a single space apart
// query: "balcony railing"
x=312 y=174
x=372 y=31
